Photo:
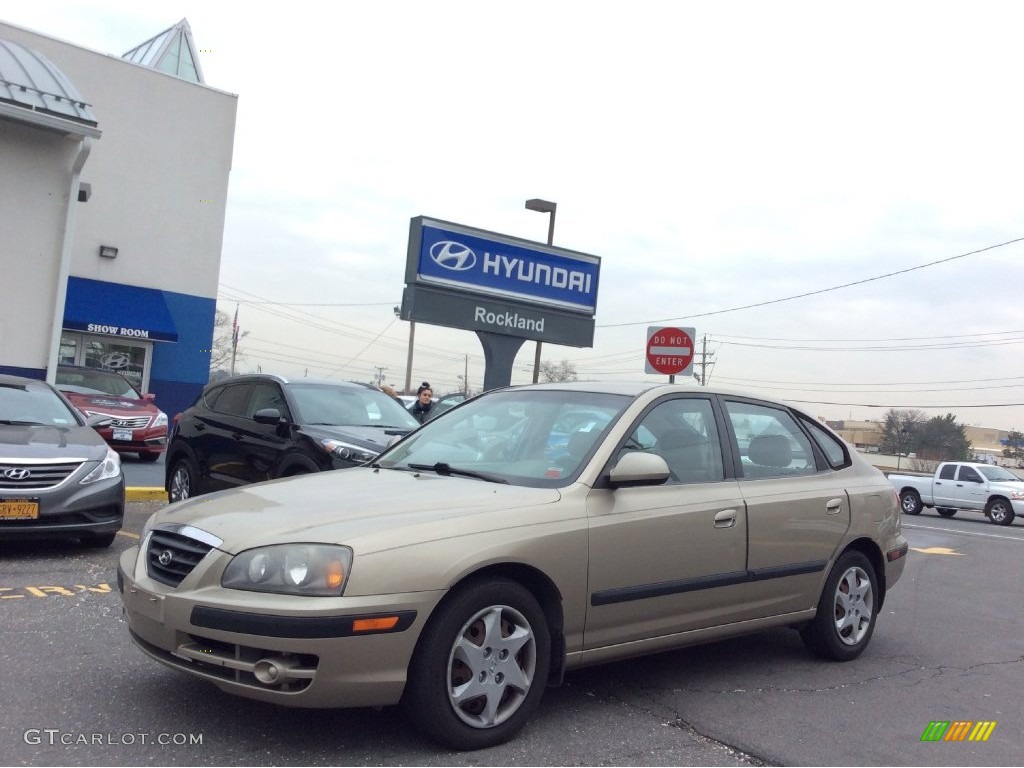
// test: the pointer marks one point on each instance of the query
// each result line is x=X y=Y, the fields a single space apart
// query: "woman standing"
x=424 y=402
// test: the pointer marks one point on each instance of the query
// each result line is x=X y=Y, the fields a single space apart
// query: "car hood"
x=373 y=438
x=18 y=442
x=344 y=505
x=108 y=403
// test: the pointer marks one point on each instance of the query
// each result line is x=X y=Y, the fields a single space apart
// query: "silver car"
x=531 y=531
x=58 y=477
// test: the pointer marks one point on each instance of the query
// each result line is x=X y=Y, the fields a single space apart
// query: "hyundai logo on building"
x=452 y=255
x=498 y=265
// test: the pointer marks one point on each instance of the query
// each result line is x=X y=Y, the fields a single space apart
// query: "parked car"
x=963 y=485
x=257 y=427
x=132 y=422
x=469 y=566
x=58 y=478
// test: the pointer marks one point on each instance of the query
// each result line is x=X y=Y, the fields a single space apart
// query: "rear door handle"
x=833 y=506
x=725 y=519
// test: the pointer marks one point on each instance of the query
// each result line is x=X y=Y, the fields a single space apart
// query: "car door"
x=667 y=558
x=215 y=441
x=798 y=508
x=261 y=447
x=971 y=491
x=944 y=491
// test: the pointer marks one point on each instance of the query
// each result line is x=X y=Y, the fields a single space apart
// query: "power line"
x=820 y=291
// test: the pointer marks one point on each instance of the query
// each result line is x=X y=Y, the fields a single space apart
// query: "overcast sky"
x=721 y=158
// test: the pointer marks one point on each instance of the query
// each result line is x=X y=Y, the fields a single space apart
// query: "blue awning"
x=112 y=309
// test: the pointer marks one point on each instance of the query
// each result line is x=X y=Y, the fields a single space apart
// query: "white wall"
x=35 y=174
x=159 y=173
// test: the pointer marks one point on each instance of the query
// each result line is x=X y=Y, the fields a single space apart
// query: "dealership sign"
x=449 y=255
x=461 y=277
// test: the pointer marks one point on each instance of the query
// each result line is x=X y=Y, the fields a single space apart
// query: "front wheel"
x=910 y=502
x=1000 y=512
x=480 y=667
x=184 y=480
x=945 y=511
x=846 y=614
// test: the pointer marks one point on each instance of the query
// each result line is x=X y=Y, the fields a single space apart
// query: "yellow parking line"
x=129 y=534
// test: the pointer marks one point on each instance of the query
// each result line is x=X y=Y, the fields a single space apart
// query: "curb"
x=145 y=494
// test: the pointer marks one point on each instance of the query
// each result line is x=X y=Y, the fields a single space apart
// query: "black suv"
x=258 y=427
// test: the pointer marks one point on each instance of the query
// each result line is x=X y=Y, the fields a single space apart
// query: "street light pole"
x=548 y=207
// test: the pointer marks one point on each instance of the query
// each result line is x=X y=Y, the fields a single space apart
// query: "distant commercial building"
x=987 y=443
x=113 y=187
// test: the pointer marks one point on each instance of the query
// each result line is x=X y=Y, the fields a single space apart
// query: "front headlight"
x=108 y=468
x=319 y=570
x=160 y=420
x=347 y=451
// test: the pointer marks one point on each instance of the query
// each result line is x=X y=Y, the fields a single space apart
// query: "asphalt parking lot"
x=948 y=648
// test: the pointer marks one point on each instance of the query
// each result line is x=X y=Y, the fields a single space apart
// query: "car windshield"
x=523 y=437
x=348 y=406
x=87 y=382
x=33 y=406
x=999 y=475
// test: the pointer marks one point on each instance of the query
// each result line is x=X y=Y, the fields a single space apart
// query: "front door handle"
x=725 y=519
x=833 y=506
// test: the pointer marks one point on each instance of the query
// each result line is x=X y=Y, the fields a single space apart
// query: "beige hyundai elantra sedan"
x=525 y=533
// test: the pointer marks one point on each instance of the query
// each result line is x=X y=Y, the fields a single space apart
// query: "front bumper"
x=71 y=509
x=294 y=651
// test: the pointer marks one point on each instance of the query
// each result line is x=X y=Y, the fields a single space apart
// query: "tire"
x=184 y=482
x=910 y=502
x=98 y=541
x=846 y=616
x=489 y=637
x=999 y=511
x=945 y=511
x=149 y=458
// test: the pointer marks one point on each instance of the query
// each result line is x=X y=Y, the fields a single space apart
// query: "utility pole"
x=465 y=379
x=234 y=340
x=380 y=374
x=704 y=363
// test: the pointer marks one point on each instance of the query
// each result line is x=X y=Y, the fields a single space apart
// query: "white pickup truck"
x=963 y=485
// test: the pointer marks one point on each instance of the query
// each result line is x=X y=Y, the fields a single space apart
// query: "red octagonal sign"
x=669 y=350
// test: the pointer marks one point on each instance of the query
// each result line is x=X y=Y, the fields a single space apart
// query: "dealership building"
x=113 y=185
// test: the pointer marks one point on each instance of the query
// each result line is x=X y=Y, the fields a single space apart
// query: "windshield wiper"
x=19 y=423
x=448 y=470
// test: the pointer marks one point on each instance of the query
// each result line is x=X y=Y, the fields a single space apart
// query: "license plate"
x=19 y=509
x=122 y=434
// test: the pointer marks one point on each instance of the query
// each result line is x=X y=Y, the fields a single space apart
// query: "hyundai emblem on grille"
x=165 y=557
x=17 y=474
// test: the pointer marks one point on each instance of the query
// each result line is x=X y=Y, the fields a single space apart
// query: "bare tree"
x=221 y=349
x=563 y=371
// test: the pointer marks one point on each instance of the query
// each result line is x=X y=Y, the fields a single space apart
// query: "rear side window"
x=948 y=471
x=770 y=442
x=233 y=400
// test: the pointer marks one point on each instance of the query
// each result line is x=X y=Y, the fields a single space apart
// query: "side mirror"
x=638 y=468
x=267 y=416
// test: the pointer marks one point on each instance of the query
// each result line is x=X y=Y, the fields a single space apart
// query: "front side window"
x=233 y=400
x=771 y=443
x=683 y=432
x=969 y=475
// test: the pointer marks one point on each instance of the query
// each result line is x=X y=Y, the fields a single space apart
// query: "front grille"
x=121 y=422
x=20 y=475
x=180 y=555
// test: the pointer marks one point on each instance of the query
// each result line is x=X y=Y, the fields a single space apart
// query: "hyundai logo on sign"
x=498 y=265
x=452 y=255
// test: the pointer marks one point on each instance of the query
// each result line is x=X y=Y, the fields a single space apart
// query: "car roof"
x=252 y=377
x=20 y=381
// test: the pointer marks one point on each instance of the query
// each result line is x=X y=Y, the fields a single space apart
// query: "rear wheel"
x=910 y=502
x=184 y=480
x=846 y=614
x=945 y=511
x=999 y=511
x=480 y=667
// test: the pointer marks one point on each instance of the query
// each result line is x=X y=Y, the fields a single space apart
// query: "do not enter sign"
x=669 y=350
